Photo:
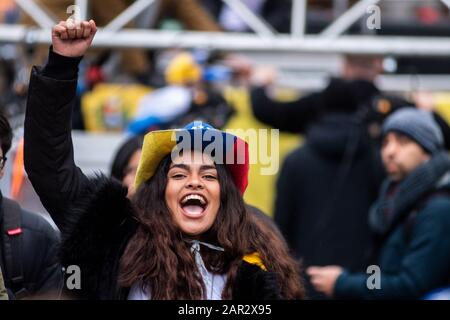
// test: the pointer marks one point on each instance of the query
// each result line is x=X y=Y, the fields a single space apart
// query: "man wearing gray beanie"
x=410 y=219
x=417 y=124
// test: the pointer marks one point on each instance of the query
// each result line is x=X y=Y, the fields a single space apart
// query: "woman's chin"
x=192 y=231
x=193 y=227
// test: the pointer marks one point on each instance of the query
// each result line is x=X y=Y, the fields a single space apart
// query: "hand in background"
x=324 y=278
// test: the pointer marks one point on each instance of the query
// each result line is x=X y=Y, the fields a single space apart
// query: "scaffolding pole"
x=129 y=14
x=36 y=13
x=347 y=19
x=329 y=41
x=82 y=6
x=150 y=39
x=446 y=2
x=298 y=18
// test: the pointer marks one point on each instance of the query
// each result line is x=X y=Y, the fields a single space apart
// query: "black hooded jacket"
x=324 y=193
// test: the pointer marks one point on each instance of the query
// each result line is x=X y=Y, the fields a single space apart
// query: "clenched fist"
x=72 y=39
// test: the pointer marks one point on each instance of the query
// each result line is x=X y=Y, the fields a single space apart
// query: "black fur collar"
x=95 y=234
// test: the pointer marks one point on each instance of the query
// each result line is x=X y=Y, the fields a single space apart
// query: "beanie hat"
x=417 y=124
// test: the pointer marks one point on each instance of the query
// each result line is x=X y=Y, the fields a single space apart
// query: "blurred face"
x=364 y=68
x=193 y=192
x=130 y=172
x=401 y=155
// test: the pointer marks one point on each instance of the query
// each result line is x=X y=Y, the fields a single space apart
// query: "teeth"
x=194 y=197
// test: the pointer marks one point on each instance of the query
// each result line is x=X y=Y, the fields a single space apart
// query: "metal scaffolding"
x=265 y=39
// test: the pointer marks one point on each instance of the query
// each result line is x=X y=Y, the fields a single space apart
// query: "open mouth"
x=193 y=205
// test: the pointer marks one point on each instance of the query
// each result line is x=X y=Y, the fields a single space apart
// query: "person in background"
x=323 y=194
x=410 y=219
x=327 y=185
x=187 y=96
x=126 y=160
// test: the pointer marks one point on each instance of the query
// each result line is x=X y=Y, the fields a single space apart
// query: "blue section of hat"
x=198 y=125
x=201 y=136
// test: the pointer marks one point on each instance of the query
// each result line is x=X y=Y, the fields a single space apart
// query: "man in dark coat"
x=316 y=208
x=28 y=244
x=410 y=218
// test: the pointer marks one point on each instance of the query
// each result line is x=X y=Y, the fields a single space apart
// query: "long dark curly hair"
x=158 y=255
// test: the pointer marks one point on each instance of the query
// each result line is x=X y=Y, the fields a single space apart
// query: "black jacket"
x=41 y=271
x=94 y=215
x=324 y=193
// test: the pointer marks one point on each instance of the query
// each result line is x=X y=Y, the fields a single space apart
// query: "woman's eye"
x=178 y=176
x=209 y=177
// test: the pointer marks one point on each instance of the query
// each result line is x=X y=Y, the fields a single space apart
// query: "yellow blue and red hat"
x=224 y=147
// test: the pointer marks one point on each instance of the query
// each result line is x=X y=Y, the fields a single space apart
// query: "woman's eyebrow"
x=181 y=166
x=188 y=168
x=207 y=167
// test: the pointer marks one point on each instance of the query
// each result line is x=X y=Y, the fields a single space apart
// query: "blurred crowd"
x=147 y=67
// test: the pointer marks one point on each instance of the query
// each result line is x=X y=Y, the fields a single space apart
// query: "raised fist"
x=72 y=39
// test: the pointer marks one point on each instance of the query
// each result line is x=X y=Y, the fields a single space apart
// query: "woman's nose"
x=194 y=183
